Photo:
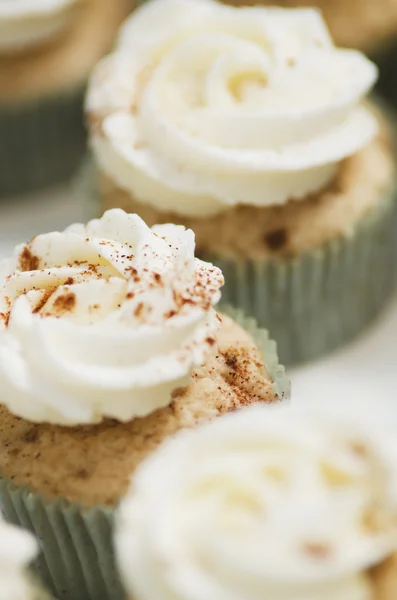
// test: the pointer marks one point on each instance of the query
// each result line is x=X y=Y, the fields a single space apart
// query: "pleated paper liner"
x=77 y=559
x=42 y=141
x=314 y=303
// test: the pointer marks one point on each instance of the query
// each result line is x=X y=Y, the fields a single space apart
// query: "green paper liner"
x=42 y=141
x=316 y=302
x=77 y=558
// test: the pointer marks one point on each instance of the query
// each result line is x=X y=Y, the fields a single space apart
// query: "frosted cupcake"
x=109 y=344
x=17 y=550
x=47 y=49
x=263 y=504
x=262 y=145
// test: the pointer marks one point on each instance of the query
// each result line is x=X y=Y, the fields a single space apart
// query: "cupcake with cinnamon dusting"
x=264 y=145
x=109 y=344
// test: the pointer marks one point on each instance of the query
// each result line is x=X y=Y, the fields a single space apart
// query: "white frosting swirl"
x=103 y=320
x=205 y=106
x=17 y=550
x=264 y=503
x=26 y=23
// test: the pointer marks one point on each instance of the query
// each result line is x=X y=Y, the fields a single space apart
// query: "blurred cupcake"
x=109 y=344
x=362 y=24
x=263 y=504
x=17 y=550
x=261 y=144
x=47 y=49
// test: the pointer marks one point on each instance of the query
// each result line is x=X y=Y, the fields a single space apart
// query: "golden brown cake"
x=385 y=579
x=92 y=464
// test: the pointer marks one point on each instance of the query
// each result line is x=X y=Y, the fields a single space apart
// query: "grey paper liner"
x=42 y=141
x=316 y=302
x=77 y=559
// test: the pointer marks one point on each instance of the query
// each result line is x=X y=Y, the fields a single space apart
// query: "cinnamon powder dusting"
x=5 y=317
x=139 y=309
x=65 y=303
x=43 y=301
x=28 y=261
x=237 y=374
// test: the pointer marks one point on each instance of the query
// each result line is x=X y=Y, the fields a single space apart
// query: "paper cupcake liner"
x=41 y=142
x=318 y=301
x=77 y=560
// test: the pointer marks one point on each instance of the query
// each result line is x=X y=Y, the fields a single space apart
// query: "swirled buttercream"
x=25 y=23
x=17 y=550
x=103 y=320
x=265 y=503
x=205 y=106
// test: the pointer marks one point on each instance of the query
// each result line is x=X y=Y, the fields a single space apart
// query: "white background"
x=366 y=370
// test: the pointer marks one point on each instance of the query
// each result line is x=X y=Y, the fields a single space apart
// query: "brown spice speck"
x=65 y=303
x=231 y=361
x=31 y=435
x=277 y=239
x=27 y=260
x=179 y=393
x=359 y=448
x=82 y=474
x=319 y=550
x=139 y=309
x=5 y=317
x=43 y=301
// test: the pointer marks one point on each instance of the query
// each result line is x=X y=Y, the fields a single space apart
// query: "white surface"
x=365 y=369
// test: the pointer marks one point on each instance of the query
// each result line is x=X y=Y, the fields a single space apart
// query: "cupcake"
x=109 y=344
x=47 y=49
x=263 y=146
x=17 y=549
x=263 y=504
x=363 y=24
